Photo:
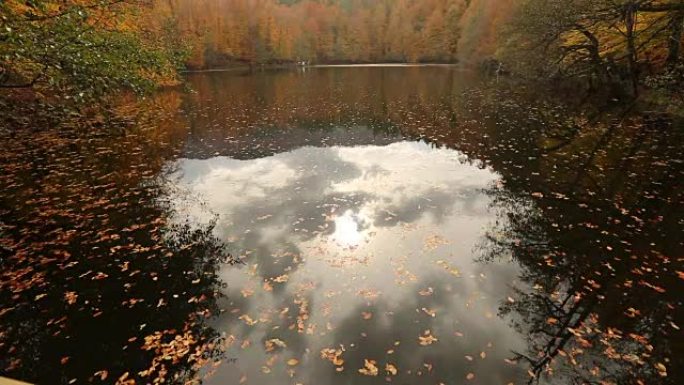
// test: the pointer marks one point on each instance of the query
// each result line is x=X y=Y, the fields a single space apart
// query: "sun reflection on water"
x=348 y=232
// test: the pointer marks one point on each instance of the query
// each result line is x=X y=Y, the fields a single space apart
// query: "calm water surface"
x=390 y=225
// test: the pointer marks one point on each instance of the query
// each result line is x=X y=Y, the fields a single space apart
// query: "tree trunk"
x=630 y=25
x=676 y=28
x=594 y=50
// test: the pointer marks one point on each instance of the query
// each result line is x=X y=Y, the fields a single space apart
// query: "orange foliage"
x=271 y=31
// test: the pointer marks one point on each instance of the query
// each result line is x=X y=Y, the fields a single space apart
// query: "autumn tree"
x=80 y=50
x=602 y=40
x=224 y=32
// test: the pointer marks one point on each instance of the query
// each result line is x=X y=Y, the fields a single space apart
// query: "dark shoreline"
x=317 y=65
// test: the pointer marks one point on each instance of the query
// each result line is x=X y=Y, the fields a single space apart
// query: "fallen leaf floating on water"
x=429 y=312
x=123 y=379
x=446 y=266
x=248 y=320
x=391 y=369
x=426 y=292
x=662 y=369
x=293 y=362
x=367 y=315
x=70 y=297
x=274 y=343
x=470 y=376
x=434 y=241
x=369 y=294
x=281 y=279
x=102 y=374
x=427 y=338
x=369 y=368
x=333 y=355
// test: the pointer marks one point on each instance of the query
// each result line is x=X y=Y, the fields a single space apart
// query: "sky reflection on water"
x=366 y=248
x=416 y=220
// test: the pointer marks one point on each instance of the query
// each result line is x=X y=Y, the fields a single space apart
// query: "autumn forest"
x=335 y=192
x=352 y=31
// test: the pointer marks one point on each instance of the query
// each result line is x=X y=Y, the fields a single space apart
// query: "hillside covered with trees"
x=79 y=49
x=338 y=31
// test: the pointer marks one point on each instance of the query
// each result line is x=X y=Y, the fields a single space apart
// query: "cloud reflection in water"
x=362 y=247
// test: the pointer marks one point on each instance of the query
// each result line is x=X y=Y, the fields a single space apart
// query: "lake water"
x=414 y=225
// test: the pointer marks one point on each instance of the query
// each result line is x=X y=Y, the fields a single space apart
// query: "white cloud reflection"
x=355 y=229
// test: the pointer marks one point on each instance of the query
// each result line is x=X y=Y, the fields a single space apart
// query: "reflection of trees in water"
x=94 y=281
x=597 y=233
x=591 y=200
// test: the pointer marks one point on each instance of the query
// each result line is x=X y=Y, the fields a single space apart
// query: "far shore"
x=294 y=65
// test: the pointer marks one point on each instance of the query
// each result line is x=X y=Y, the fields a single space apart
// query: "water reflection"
x=418 y=222
x=96 y=284
x=361 y=247
x=565 y=188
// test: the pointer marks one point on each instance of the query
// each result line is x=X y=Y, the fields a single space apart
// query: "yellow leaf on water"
x=446 y=266
x=281 y=279
x=662 y=369
x=247 y=319
x=434 y=241
x=369 y=368
x=274 y=343
x=102 y=374
x=333 y=355
x=427 y=338
x=293 y=362
x=70 y=297
x=426 y=292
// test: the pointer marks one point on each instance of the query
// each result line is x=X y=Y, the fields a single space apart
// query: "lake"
x=346 y=225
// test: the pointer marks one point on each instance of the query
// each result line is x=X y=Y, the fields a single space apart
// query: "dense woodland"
x=335 y=31
x=75 y=50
